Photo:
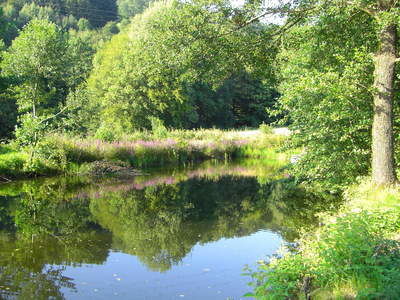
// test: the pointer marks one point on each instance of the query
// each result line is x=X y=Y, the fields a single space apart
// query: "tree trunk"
x=383 y=172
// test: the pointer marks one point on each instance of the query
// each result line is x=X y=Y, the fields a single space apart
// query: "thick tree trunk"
x=383 y=172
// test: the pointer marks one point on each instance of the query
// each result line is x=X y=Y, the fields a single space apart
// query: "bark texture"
x=383 y=171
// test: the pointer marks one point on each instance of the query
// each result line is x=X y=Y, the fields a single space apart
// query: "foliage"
x=249 y=98
x=325 y=93
x=355 y=254
x=44 y=64
x=81 y=47
x=30 y=130
x=8 y=114
x=167 y=68
x=32 y=11
x=130 y=8
x=184 y=89
x=158 y=129
x=82 y=116
x=36 y=55
x=11 y=162
x=48 y=154
x=67 y=14
x=35 y=62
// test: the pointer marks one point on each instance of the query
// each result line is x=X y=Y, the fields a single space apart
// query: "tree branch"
x=272 y=11
x=56 y=115
x=369 y=10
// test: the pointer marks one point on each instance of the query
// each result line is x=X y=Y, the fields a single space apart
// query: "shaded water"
x=172 y=234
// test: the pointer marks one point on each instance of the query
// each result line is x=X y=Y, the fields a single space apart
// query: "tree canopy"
x=153 y=66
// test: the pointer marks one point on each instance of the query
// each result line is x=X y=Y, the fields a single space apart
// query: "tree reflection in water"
x=50 y=224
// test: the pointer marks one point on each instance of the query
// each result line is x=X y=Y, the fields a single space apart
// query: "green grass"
x=356 y=254
x=11 y=163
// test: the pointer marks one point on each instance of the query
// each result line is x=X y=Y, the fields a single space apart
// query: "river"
x=174 y=233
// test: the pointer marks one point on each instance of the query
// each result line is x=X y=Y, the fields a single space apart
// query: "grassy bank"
x=355 y=254
x=60 y=154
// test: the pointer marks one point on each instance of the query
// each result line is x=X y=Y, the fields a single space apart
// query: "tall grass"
x=177 y=147
x=142 y=150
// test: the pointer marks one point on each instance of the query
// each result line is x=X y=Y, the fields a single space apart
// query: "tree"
x=7 y=105
x=130 y=8
x=64 y=13
x=35 y=63
x=250 y=98
x=152 y=67
x=7 y=29
x=381 y=16
x=386 y=16
x=33 y=11
x=8 y=113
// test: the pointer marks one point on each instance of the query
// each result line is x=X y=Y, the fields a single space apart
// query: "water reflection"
x=47 y=225
x=33 y=267
x=161 y=223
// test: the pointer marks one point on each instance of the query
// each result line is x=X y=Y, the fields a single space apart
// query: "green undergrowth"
x=11 y=162
x=16 y=163
x=63 y=154
x=355 y=254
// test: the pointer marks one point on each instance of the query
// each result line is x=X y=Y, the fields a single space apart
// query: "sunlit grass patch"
x=11 y=162
x=368 y=196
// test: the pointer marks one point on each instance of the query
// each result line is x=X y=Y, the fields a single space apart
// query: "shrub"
x=284 y=278
x=106 y=134
x=266 y=129
x=11 y=163
x=355 y=255
x=48 y=157
x=158 y=129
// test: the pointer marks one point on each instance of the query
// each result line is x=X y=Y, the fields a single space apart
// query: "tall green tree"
x=151 y=68
x=35 y=62
x=379 y=37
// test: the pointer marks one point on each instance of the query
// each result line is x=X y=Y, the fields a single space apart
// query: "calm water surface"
x=173 y=234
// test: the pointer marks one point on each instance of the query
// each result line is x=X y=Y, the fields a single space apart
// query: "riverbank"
x=57 y=154
x=355 y=253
